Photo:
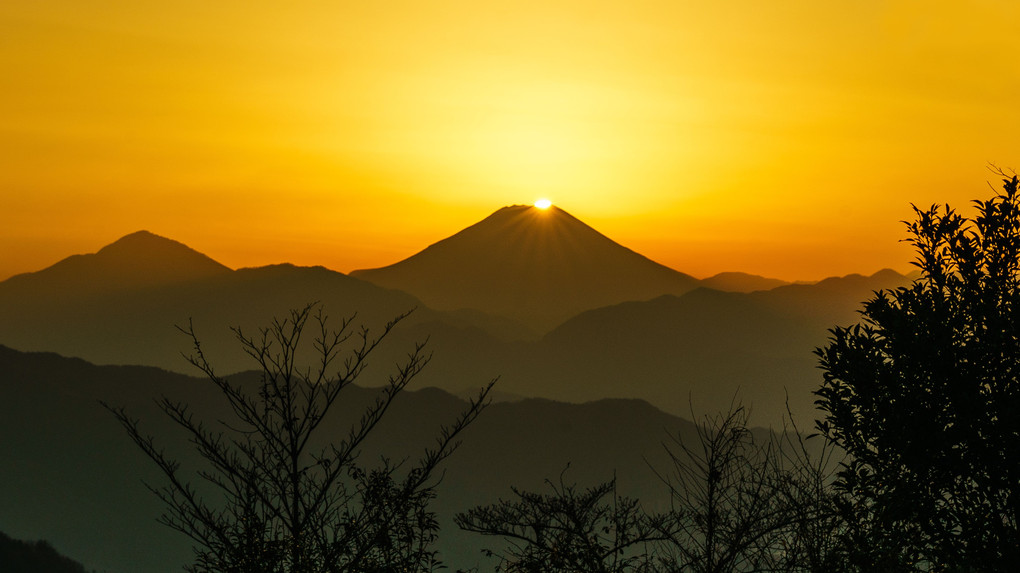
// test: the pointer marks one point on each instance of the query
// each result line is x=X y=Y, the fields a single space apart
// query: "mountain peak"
x=538 y=266
x=531 y=213
x=142 y=242
x=135 y=260
x=144 y=245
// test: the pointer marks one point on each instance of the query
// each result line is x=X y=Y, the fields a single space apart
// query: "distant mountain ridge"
x=741 y=282
x=703 y=343
x=122 y=304
x=707 y=344
x=539 y=266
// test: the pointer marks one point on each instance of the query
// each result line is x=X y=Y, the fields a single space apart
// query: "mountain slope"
x=538 y=266
x=703 y=344
x=706 y=344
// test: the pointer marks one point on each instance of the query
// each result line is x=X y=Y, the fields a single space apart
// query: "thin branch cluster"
x=286 y=499
x=737 y=506
x=569 y=529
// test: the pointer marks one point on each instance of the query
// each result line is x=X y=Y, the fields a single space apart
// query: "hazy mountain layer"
x=122 y=304
x=538 y=266
x=741 y=282
x=704 y=344
x=78 y=477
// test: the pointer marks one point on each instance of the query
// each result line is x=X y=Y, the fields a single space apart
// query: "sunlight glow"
x=543 y=203
x=696 y=134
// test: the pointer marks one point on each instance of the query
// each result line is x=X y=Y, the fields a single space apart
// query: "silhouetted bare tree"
x=287 y=499
x=722 y=492
x=568 y=530
x=804 y=468
x=747 y=504
x=738 y=504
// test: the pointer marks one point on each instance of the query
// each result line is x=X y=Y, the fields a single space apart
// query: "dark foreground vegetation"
x=18 y=556
x=915 y=465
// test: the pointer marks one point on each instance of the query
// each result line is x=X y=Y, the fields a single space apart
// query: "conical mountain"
x=538 y=266
x=140 y=259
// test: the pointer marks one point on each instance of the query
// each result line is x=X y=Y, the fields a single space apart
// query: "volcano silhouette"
x=538 y=266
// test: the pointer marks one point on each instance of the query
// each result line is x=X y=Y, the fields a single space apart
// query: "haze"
x=783 y=140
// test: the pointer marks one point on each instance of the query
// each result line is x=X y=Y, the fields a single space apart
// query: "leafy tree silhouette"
x=286 y=500
x=923 y=394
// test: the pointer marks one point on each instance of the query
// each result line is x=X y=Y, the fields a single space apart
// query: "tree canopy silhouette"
x=923 y=394
x=283 y=497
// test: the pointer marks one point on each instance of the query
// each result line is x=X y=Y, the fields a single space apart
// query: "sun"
x=543 y=203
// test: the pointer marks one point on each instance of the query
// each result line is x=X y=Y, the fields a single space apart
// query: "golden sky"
x=781 y=138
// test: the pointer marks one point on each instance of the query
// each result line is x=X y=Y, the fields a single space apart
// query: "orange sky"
x=779 y=138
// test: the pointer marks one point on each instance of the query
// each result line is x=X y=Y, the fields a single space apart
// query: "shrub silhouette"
x=924 y=395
